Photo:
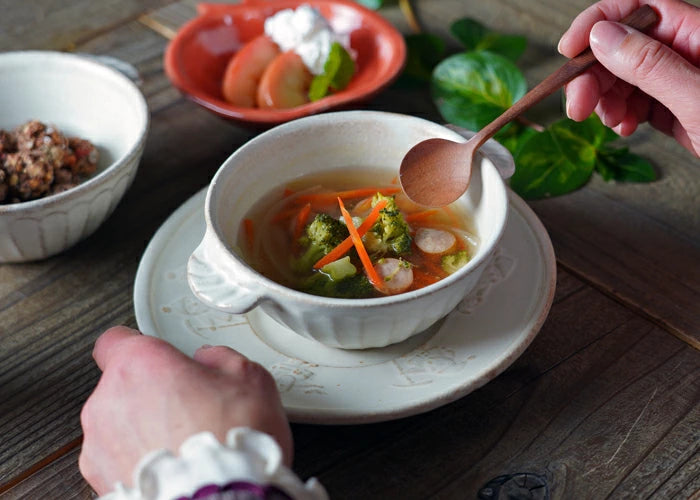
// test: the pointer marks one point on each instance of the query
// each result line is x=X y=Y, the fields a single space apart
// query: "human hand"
x=639 y=78
x=152 y=396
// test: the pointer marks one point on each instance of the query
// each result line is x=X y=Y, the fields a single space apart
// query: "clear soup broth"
x=298 y=236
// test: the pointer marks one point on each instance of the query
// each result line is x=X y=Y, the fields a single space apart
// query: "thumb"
x=652 y=66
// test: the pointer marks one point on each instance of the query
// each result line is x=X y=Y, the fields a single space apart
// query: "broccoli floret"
x=322 y=235
x=452 y=262
x=353 y=287
x=338 y=279
x=390 y=234
x=326 y=232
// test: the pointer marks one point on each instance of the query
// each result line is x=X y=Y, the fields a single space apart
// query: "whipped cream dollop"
x=305 y=31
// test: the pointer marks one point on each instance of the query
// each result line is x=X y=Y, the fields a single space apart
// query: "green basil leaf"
x=371 y=4
x=472 y=89
x=622 y=165
x=597 y=133
x=319 y=87
x=556 y=161
x=514 y=137
x=475 y=36
x=424 y=52
x=337 y=73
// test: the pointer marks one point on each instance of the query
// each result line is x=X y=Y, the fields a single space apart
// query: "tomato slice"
x=285 y=83
x=246 y=68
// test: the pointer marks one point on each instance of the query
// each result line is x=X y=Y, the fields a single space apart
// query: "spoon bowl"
x=448 y=158
x=436 y=172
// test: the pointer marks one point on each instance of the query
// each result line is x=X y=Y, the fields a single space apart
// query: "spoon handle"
x=641 y=19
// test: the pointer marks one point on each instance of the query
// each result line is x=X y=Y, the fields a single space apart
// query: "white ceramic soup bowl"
x=219 y=277
x=82 y=98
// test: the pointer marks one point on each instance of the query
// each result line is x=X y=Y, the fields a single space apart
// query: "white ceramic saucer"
x=490 y=328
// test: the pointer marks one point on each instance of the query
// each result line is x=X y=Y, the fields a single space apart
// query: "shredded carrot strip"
x=249 y=231
x=301 y=219
x=353 y=193
x=287 y=192
x=395 y=180
x=347 y=243
x=361 y=251
x=420 y=216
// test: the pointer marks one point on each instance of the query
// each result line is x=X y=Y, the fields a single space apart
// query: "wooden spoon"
x=436 y=172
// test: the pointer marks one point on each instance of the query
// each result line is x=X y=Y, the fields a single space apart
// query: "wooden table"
x=604 y=403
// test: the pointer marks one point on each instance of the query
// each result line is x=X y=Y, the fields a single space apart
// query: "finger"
x=582 y=95
x=680 y=133
x=637 y=112
x=576 y=39
x=105 y=343
x=653 y=67
x=640 y=104
x=628 y=124
x=612 y=107
x=661 y=118
x=222 y=358
x=677 y=26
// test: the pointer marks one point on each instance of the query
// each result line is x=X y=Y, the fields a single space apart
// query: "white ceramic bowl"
x=222 y=279
x=81 y=98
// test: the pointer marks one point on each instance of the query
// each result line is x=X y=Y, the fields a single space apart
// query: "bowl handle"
x=210 y=280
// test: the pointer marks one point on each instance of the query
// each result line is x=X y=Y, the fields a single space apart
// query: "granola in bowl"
x=37 y=160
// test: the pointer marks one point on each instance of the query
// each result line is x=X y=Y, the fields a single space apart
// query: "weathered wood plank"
x=633 y=256
x=59 y=480
x=37 y=24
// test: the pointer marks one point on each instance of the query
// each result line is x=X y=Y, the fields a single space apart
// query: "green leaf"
x=622 y=165
x=475 y=36
x=424 y=52
x=556 y=161
x=337 y=73
x=594 y=130
x=472 y=89
x=514 y=137
x=371 y=4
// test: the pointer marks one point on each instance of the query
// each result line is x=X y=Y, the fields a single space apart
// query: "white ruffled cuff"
x=248 y=455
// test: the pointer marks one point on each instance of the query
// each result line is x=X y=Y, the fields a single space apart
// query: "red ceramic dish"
x=196 y=58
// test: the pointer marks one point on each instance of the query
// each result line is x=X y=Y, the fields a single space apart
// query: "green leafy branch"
x=473 y=87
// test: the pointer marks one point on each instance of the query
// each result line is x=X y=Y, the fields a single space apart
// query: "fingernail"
x=561 y=40
x=607 y=36
x=206 y=346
